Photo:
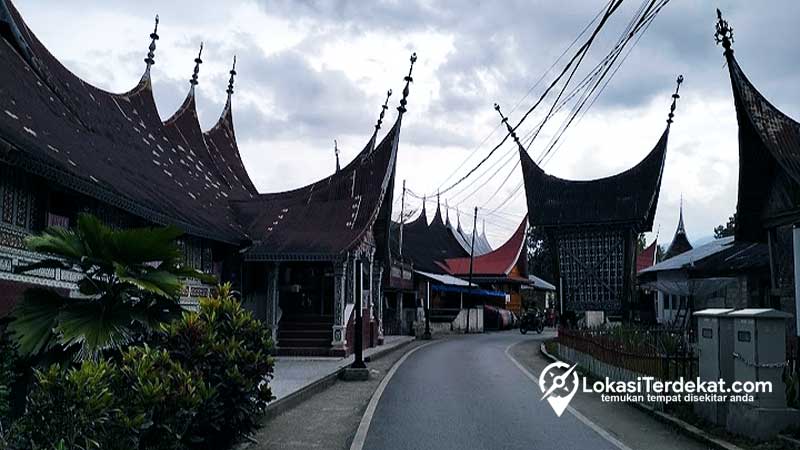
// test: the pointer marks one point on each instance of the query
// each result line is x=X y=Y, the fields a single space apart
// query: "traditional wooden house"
x=298 y=258
x=594 y=225
x=314 y=249
x=768 y=207
x=68 y=147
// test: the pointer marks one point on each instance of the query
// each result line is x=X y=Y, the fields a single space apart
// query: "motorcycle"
x=532 y=320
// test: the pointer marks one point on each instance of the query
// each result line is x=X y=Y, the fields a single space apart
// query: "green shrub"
x=167 y=397
x=8 y=376
x=230 y=350
x=78 y=407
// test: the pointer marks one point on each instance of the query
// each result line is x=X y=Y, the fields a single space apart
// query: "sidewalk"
x=293 y=373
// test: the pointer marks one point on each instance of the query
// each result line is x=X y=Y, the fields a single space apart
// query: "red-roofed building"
x=504 y=269
x=647 y=257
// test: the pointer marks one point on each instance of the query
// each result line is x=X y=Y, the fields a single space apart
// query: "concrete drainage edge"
x=284 y=404
x=385 y=351
x=684 y=427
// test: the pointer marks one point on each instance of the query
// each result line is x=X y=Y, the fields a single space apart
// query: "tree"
x=130 y=282
x=727 y=230
x=541 y=255
x=641 y=243
x=660 y=252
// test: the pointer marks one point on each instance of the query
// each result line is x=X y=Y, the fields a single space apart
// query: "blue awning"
x=466 y=290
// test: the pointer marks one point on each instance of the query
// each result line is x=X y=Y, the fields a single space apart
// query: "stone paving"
x=292 y=373
x=327 y=420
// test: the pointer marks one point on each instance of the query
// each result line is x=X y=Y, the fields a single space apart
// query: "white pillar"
x=339 y=305
x=561 y=296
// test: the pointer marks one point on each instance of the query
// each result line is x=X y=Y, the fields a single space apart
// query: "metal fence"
x=649 y=354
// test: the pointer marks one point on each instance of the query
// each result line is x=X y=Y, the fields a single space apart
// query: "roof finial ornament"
x=681 y=228
x=724 y=33
x=336 y=152
x=197 y=62
x=508 y=126
x=384 y=107
x=675 y=98
x=233 y=74
x=446 y=212
x=409 y=79
x=152 y=48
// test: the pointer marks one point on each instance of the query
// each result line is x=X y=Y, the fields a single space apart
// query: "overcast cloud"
x=314 y=71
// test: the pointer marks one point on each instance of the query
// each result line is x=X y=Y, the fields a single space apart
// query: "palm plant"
x=131 y=282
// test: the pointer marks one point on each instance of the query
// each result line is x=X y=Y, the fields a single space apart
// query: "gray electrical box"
x=759 y=346
x=715 y=361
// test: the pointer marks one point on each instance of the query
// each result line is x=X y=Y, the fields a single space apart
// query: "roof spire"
x=197 y=62
x=230 y=81
x=383 y=110
x=336 y=152
x=675 y=98
x=724 y=34
x=152 y=48
x=508 y=126
x=681 y=228
x=409 y=79
x=446 y=213
x=458 y=218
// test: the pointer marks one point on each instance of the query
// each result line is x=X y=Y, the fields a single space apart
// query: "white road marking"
x=586 y=421
x=363 y=427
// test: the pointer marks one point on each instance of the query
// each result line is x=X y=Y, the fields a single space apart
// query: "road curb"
x=684 y=427
x=378 y=354
x=288 y=402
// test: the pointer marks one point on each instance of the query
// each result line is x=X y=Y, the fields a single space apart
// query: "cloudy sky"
x=314 y=71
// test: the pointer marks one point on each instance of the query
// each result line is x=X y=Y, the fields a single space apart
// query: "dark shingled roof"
x=425 y=245
x=769 y=157
x=114 y=147
x=323 y=220
x=629 y=197
x=680 y=243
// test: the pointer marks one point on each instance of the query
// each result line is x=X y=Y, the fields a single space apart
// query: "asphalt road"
x=465 y=394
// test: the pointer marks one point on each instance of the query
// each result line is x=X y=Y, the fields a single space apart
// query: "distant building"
x=680 y=243
x=720 y=274
x=504 y=269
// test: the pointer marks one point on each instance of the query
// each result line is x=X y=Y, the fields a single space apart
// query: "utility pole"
x=472 y=257
x=402 y=219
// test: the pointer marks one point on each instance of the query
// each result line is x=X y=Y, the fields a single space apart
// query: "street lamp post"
x=472 y=259
x=358 y=370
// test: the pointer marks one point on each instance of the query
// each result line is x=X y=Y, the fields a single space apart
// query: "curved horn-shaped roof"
x=769 y=157
x=629 y=197
x=90 y=140
x=324 y=219
x=493 y=263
